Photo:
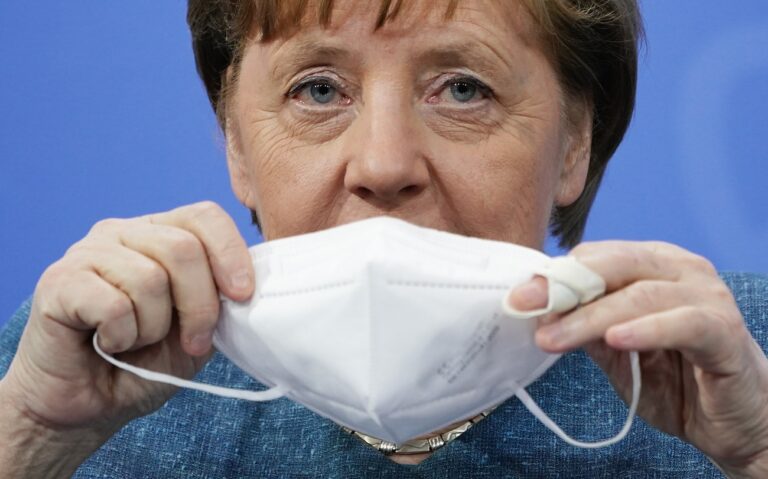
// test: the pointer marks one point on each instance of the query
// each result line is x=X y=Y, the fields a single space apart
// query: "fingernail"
x=528 y=296
x=623 y=335
x=200 y=343
x=241 y=280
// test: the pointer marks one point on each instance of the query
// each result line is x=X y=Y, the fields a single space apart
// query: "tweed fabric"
x=195 y=435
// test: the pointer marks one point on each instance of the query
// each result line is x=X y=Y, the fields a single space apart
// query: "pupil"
x=322 y=92
x=463 y=91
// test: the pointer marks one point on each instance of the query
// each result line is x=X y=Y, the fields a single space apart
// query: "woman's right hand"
x=150 y=287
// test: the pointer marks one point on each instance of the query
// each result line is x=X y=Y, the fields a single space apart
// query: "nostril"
x=406 y=192
x=410 y=190
x=363 y=192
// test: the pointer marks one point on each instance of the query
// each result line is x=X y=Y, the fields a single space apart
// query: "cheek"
x=294 y=183
x=503 y=188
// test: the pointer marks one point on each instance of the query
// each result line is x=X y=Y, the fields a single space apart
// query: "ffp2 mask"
x=395 y=330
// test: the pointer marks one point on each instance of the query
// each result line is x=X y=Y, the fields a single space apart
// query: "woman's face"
x=454 y=124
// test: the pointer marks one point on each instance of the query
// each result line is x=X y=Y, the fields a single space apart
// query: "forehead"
x=295 y=19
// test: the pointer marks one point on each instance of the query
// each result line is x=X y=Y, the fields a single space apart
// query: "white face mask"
x=395 y=330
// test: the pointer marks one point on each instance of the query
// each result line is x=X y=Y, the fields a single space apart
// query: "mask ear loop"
x=534 y=408
x=572 y=284
x=267 y=395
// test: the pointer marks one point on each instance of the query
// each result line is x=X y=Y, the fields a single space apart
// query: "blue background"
x=102 y=115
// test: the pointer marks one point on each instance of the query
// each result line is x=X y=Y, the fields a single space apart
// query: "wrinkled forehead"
x=288 y=19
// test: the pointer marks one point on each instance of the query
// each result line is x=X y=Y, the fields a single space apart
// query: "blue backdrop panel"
x=102 y=115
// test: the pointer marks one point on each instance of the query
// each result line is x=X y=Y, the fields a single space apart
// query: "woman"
x=476 y=117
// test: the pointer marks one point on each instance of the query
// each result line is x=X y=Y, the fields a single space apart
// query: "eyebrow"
x=471 y=53
x=313 y=51
x=305 y=53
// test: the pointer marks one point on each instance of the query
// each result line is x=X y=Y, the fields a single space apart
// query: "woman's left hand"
x=705 y=379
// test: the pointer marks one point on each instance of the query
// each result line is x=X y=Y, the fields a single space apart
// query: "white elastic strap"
x=268 y=395
x=542 y=416
x=570 y=284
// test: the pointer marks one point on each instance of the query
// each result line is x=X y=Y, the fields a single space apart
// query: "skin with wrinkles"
x=455 y=124
x=393 y=141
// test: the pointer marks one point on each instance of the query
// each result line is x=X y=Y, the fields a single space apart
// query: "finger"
x=226 y=248
x=167 y=356
x=87 y=302
x=192 y=286
x=590 y=322
x=145 y=281
x=530 y=295
x=706 y=341
x=621 y=263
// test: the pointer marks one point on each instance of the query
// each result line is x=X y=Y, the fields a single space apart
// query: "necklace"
x=418 y=446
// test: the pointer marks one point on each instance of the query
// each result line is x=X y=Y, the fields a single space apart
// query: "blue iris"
x=463 y=91
x=322 y=92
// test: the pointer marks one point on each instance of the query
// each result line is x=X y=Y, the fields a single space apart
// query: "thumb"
x=530 y=295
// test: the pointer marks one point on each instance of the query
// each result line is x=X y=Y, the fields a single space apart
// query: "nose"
x=386 y=163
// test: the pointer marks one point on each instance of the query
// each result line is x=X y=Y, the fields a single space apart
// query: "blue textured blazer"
x=195 y=435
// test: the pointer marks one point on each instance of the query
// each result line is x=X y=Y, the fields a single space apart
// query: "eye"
x=317 y=91
x=463 y=90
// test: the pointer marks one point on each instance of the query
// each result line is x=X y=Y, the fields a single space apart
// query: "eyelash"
x=485 y=91
x=313 y=80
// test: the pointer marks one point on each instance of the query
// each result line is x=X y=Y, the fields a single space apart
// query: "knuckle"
x=703 y=323
x=205 y=210
x=87 y=252
x=665 y=249
x=154 y=279
x=51 y=287
x=184 y=246
x=733 y=323
x=44 y=299
x=736 y=329
x=659 y=246
x=643 y=294
x=106 y=225
x=727 y=311
x=77 y=248
x=53 y=274
x=58 y=275
x=626 y=256
x=660 y=252
x=118 y=306
x=701 y=264
x=729 y=329
x=721 y=293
